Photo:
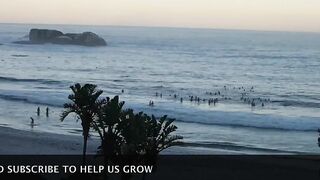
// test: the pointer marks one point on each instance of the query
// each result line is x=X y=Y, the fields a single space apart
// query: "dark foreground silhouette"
x=194 y=167
x=122 y=132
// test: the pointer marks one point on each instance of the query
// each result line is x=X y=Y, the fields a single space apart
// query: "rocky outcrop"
x=43 y=35
x=40 y=36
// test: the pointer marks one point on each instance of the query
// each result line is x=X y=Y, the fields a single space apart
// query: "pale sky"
x=283 y=15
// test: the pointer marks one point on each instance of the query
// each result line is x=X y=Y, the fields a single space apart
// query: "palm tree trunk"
x=85 y=139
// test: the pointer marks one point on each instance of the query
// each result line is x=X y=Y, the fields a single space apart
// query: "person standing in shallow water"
x=47 y=111
x=38 y=111
x=32 y=122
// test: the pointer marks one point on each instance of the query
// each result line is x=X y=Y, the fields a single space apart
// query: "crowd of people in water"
x=214 y=97
x=211 y=98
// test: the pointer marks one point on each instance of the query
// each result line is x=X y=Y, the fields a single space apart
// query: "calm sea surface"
x=279 y=70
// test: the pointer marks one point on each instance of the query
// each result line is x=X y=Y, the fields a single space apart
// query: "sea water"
x=280 y=70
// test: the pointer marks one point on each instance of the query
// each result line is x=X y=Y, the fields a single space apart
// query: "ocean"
x=279 y=70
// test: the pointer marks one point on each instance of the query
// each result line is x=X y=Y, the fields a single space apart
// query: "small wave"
x=19 y=55
x=235 y=147
x=264 y=56
x=297 y=103
x=43 y=81
x=238 y=119
x=158 y=87
x=249 y=126
x=26 y=100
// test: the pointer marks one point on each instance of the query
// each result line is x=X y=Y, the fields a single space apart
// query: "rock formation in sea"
x=41 y=36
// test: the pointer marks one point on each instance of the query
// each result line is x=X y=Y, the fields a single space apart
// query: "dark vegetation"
x=126 y=136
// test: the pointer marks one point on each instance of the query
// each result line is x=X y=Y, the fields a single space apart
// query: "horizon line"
x=168 y=27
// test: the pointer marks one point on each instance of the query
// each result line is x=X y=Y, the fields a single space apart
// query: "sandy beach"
x=18 y=142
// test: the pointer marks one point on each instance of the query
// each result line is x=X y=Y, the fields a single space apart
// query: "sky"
x=278 y=15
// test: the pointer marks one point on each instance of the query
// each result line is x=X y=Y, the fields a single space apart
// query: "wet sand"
x=18 y=142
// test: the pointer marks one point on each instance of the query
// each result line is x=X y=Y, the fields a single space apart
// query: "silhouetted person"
x=181 y=100
x=122 y=91
x=253 y=103
x=32 y=122
x=262 y=104
x=160 y=95
x=38 y=111
x=156 y=94
x=47 y=111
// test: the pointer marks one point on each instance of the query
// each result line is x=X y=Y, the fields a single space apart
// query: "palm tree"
x=106 y=125
x=146 y=136
x=85 y=104
x=159 y=134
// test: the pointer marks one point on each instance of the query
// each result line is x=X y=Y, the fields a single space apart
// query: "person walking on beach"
x=47 y=111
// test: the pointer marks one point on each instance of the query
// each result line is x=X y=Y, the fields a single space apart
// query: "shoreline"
x=23 y=142
x=16 y=141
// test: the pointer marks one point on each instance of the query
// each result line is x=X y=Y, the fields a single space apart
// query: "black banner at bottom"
x=174 y=167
